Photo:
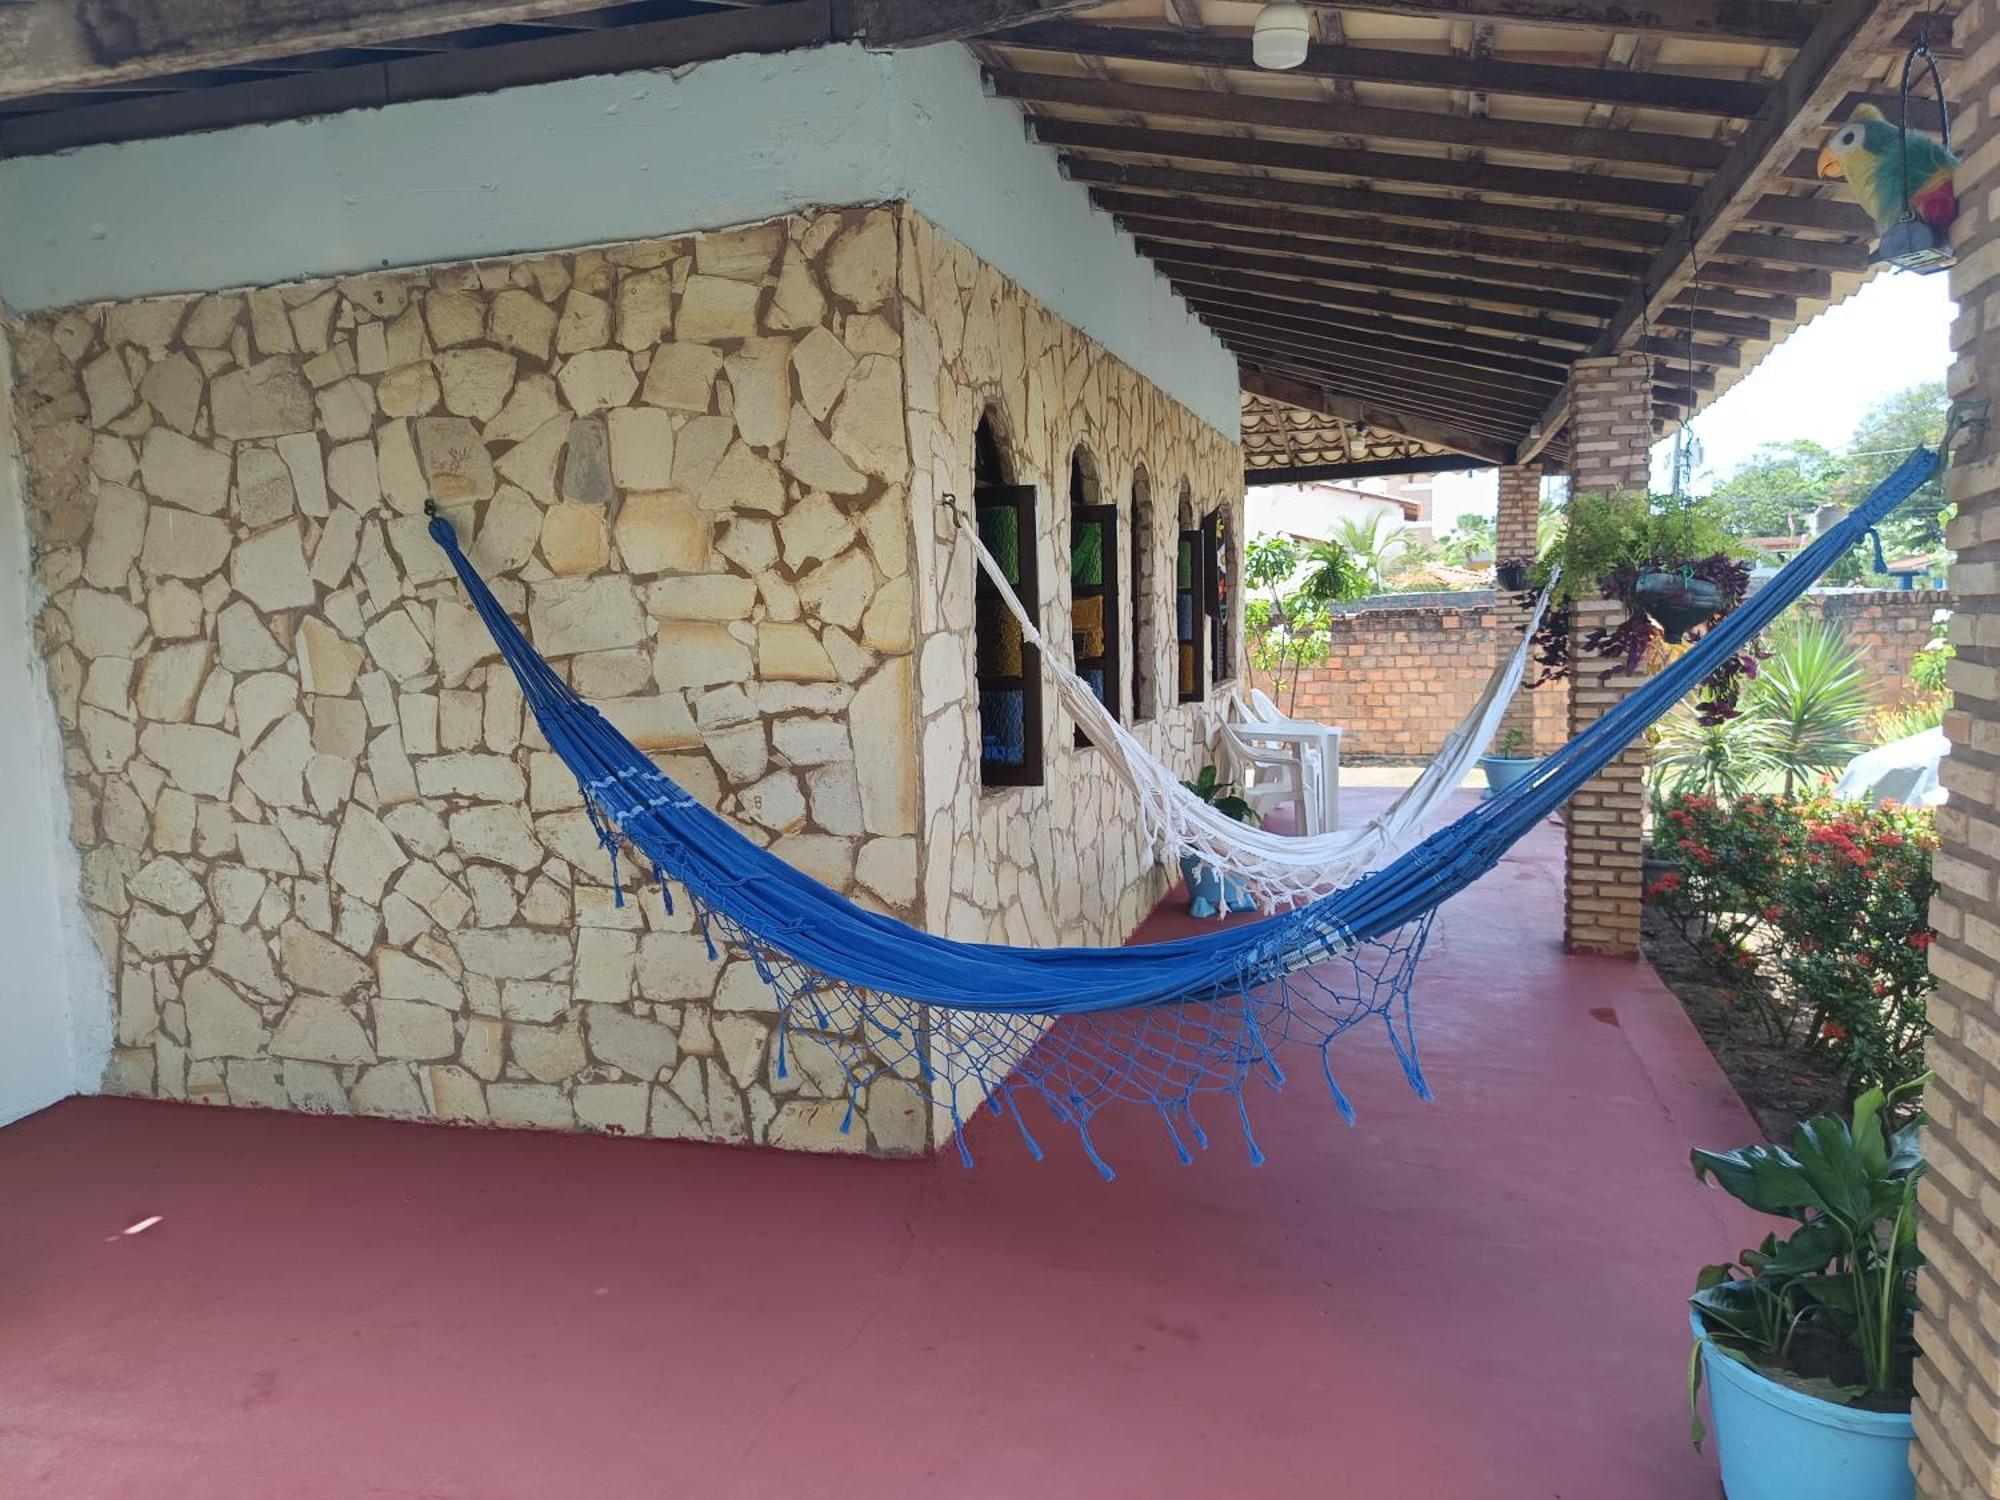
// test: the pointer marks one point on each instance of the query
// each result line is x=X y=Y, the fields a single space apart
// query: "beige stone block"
x=220 y=1022
x=760 y=385
x=645 y=308
x=454 y=459
x=710 y=596
x=512 y=953
x=743 y=480
x=320 y=1029
x=744 y=254
x=597 y=379
x=577 y=614
x=585 y=323
x=328 y=663
x=791 y=652
x=406 y=1029
x=797 y=303
x=815 y=1125
x=575 y=539
x=548 y=1054
x=614 y=1108
x=391 y=1089
x=815 y=463
x=366 y=855
x=346 y=410
x=861 y=266
x=532 y=404
x=868 y=425
x=266 y=400
x=519 y=321
x=263 y=487
x=184 y=472
x=534 y=1106
x=664 y=531
x=455 y=1095
x=269 y=569
x=682 y=377
x=474 y=383
x=642 y=448
x=882 y=714
x=173 y=388
x=714 y=307
x=823 y=363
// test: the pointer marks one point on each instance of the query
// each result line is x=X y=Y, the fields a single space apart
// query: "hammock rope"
x=869 y=1006
x=1278 y=870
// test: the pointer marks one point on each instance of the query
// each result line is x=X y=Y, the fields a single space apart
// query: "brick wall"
x=1957 y=1411
x=1399 y=679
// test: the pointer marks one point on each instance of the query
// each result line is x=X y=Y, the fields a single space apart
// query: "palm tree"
x=1368 y=542
x=1723 y=761
x=1811 y=699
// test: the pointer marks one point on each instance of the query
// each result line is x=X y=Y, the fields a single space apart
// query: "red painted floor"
x=1476 y=1298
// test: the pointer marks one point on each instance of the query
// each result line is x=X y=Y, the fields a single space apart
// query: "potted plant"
x=1807 y=1342
x=1666 y=559
x=1208 y=893
x=1510 y=574
x=1507 y=765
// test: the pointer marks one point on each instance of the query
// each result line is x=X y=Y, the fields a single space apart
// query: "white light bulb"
x=1282 y=35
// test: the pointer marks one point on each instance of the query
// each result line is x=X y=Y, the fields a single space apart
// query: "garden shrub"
x=1816 y=910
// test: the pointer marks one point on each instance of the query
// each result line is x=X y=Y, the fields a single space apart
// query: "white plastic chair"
x=1273 y=774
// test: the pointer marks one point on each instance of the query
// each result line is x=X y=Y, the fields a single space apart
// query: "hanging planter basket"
x=1511 y=577
x=1678 y=602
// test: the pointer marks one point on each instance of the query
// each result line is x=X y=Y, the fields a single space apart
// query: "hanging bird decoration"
x=1904 y=180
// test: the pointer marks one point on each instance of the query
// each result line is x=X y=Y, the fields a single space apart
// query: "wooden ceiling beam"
x=1550 y=256
x=1716 y=299
x=1440 y=283
x=1544 y=225
x=1451 y=343
x=1331 y=117
x=1368 y=166
x=1308 y=396
x=435 y=75
x=1795 y=250
x=1807 y=286
x=1845 y=46
x=1786 y=211
x=1213 y=235
x=1522 y=386
x=1547 y=330
x=1543 y=373
x=1675 y=351
x=1775 y=23
x=889 y=24
x=1721 y=97
x=52 y=46
x=1363 y=468
x=1470 y=419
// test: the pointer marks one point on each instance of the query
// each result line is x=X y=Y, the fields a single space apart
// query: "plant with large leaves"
x=1847 y=1270
x=1810 y=698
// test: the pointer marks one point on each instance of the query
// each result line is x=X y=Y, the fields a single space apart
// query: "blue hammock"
x=1163 y=1025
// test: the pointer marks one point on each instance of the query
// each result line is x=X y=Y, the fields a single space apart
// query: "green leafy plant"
x=1810 y=699
x=1369 y=543
x=1723 y=759
x=1815 y=913
x=1607 y=544
x=1221 y=795
x=1830 y=1309
x=1514 y=745
x=1335 y=575
x=1289 y=628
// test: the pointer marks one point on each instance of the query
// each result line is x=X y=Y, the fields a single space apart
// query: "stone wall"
x=332 y=865
x=1064 y=862
x=1397 y=680
x=330 y=861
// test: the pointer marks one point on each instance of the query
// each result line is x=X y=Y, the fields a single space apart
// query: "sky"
x=1893 y=333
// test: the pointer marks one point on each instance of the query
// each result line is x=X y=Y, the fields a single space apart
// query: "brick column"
x=1958 y=1380
x=1517 y=527
x=1611 y=433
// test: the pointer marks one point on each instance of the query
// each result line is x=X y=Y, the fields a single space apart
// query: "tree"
x=1291 y=627
x=1883 y=439
x=1471 y=540
x=1370 y=541
x=1775 y=491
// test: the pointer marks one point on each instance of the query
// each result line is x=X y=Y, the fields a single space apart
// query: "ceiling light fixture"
x=1282 y=36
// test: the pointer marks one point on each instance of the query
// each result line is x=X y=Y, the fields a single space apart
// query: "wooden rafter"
x=1320 y=398
x=1837 y=57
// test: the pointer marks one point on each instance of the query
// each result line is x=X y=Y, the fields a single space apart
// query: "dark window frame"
x=1190 y=618
x=990 y=495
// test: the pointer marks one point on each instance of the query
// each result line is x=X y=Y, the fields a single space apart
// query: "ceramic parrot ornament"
x=1876 y=159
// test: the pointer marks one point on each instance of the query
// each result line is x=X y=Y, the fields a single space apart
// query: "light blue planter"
x=1205 y=889
x=1502 y=771
x=1780 y=1444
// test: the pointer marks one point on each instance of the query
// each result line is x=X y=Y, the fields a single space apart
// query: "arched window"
x=1218 y=562
x=1094 y=616
x=1009 y=670
x=1143 y=580
x=1190 y=616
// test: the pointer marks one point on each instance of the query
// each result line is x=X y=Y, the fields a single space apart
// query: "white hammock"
x=1277 y=869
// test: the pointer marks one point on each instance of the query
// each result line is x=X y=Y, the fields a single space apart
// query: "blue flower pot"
x=1207 y=891
x=1502 y=771
x=1776 y=1443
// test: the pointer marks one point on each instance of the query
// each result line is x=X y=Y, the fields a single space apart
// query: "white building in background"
x=1315 y=510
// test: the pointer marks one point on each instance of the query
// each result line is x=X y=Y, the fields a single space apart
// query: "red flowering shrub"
x=1817 y=911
